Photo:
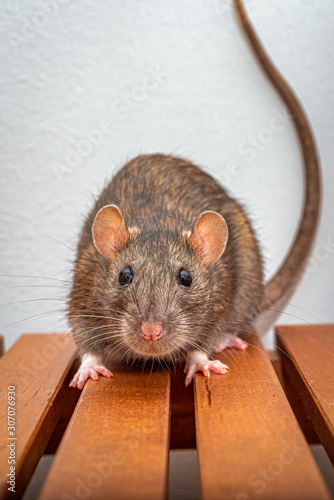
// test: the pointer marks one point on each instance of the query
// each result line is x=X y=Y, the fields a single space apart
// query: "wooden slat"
x=248 y=440
x=36 y=366
x=293 y=398
x=309 y=366
x=117 y=442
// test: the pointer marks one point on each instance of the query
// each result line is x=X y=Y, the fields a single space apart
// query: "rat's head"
x=157 y=284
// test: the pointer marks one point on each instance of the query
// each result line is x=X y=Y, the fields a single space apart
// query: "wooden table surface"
x=118 y=432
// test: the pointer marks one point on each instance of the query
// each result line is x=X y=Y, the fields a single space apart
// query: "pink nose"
x=151 y=331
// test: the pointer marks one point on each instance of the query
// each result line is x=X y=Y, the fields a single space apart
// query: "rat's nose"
x=151 y=331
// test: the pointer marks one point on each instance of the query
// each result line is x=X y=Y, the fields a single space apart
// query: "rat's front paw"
x=199 y=362
x=84 y=374
x=91 y=367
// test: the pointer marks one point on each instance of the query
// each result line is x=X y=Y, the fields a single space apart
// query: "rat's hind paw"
x=231 y=341
x=91 y=367
x=198 y=362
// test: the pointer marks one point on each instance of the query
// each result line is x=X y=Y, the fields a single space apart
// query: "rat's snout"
x=151 y=331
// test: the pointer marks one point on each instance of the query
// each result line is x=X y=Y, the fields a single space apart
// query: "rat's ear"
x=109 y=230
x=209 y=236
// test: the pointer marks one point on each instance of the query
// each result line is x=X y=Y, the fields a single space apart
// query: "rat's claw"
x=89 y=368
x=218 y=367
x=205 y=370
x=199 y=362
x=102 y=370
x=190 y=373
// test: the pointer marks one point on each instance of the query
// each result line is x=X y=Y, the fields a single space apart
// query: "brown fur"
x=161 y=198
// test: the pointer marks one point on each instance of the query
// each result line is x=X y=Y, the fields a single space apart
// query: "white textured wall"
x=169 y=76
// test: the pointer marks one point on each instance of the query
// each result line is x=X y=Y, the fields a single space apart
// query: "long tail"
x=292 y=267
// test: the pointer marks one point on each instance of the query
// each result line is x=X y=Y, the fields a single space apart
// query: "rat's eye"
x=125 y=276
x=184 y=278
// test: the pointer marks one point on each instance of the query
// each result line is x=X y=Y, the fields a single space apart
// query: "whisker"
x=33 y=286
x=35 y=300
x=35 y=316
x=306 y=312
x=289 y=314
x=58 y=241
x=32 y=276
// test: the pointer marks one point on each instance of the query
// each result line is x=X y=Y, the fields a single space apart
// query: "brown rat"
x=168 y=267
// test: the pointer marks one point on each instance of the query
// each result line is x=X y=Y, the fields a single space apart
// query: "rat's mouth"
x=154 y=348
